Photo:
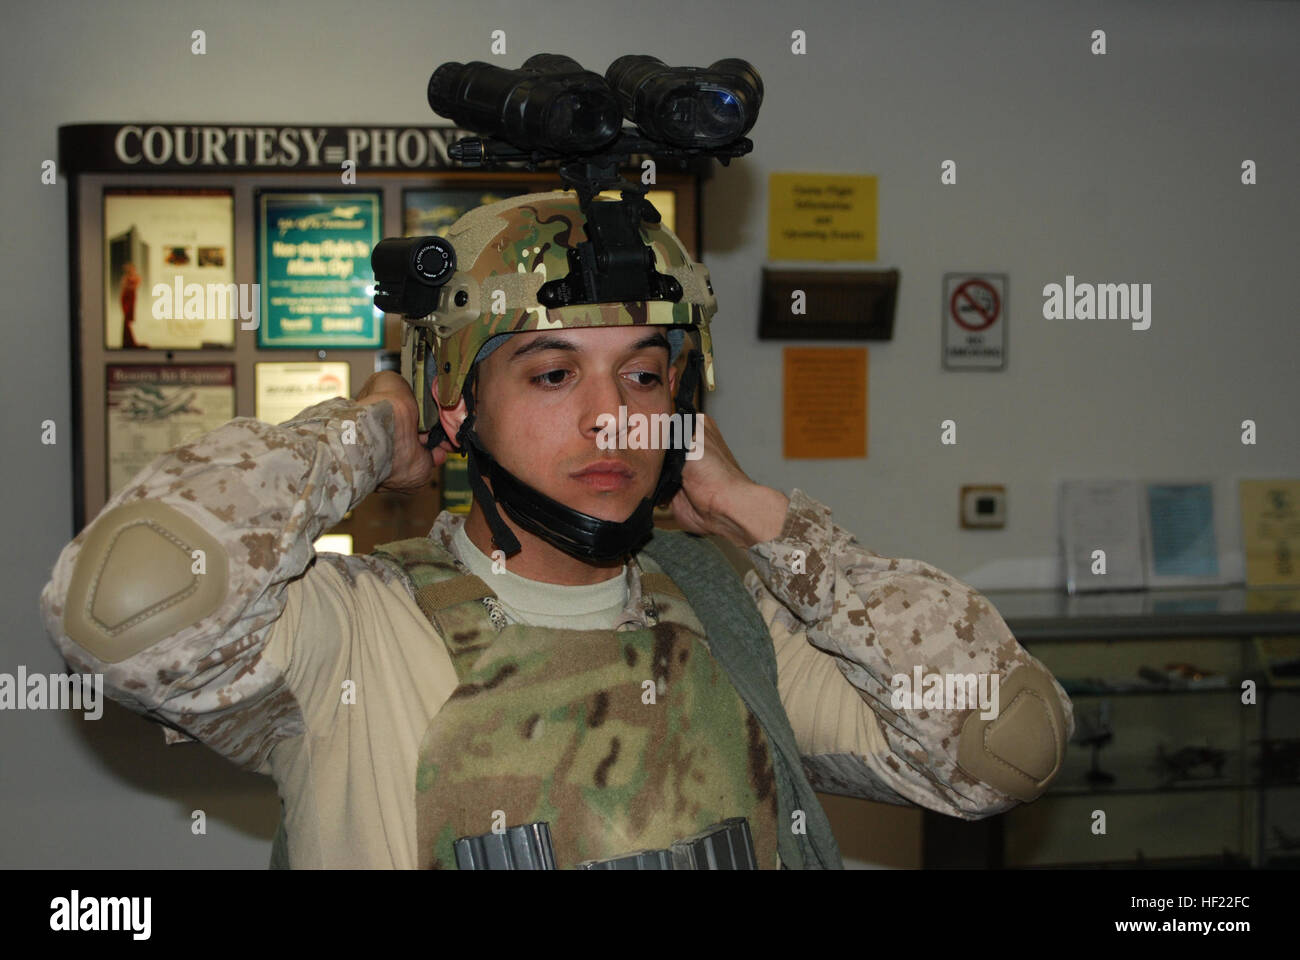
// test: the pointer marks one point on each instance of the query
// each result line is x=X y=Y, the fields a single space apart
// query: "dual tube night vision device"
x=552 y=104
x=553 y=110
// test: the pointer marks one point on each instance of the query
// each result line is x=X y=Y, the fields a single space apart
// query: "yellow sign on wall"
x=821 y=216
x=1270 y=532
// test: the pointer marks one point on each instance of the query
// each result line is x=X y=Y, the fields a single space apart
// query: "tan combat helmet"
x=506 y=251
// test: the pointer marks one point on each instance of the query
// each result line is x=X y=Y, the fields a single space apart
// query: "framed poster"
x=283 y=390
x=1101 y=535
x=168 y=269
x=1182 y=543
x=1270 y=531
x=313 y=268
x=150 y=408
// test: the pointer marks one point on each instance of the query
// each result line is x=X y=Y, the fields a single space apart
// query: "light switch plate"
x=983 y=507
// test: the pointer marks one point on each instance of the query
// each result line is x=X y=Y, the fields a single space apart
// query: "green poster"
x=317 y=288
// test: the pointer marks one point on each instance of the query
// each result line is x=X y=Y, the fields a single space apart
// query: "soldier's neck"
x=537 y=559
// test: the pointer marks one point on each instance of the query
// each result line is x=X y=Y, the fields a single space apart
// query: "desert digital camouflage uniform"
x=259 y=679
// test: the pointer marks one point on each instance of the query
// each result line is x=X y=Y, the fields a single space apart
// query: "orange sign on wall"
x=825 y=402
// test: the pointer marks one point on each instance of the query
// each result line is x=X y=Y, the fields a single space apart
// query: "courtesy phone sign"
x=974 y=321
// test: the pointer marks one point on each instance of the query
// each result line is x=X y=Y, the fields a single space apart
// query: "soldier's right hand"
x=413 y=465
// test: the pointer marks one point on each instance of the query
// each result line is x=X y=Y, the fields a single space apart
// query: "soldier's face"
x=544 y=401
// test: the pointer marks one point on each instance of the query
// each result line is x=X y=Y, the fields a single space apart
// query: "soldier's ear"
x=450 y=417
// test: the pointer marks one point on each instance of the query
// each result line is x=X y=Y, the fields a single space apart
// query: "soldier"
x=542 y=662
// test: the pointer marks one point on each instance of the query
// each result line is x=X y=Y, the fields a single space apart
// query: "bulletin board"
x=153 y=205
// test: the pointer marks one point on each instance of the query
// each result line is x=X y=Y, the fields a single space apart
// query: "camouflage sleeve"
x=264 y=493
x=831 y=603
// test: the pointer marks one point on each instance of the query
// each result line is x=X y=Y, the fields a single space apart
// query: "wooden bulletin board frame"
x=381 y=517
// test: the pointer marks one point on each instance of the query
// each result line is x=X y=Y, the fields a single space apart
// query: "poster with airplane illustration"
x=151 y=408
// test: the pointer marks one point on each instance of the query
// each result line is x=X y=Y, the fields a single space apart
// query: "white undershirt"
x=596 y=606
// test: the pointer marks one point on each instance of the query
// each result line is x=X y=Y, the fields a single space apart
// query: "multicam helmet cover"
x=505 y=251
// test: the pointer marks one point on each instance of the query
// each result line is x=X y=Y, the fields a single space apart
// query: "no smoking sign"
x=974 y=321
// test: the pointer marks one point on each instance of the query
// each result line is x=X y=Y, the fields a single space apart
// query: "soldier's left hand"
x=718 y=497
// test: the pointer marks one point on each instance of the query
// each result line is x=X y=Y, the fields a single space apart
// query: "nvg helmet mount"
x=555 y=260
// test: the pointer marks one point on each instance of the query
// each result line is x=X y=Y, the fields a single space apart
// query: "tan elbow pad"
x=1019 y=751
x=145 y=572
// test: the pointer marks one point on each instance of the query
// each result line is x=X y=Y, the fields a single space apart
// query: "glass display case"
x=1186 y=750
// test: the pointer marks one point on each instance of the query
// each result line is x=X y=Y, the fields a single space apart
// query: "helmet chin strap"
x=578 y=534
